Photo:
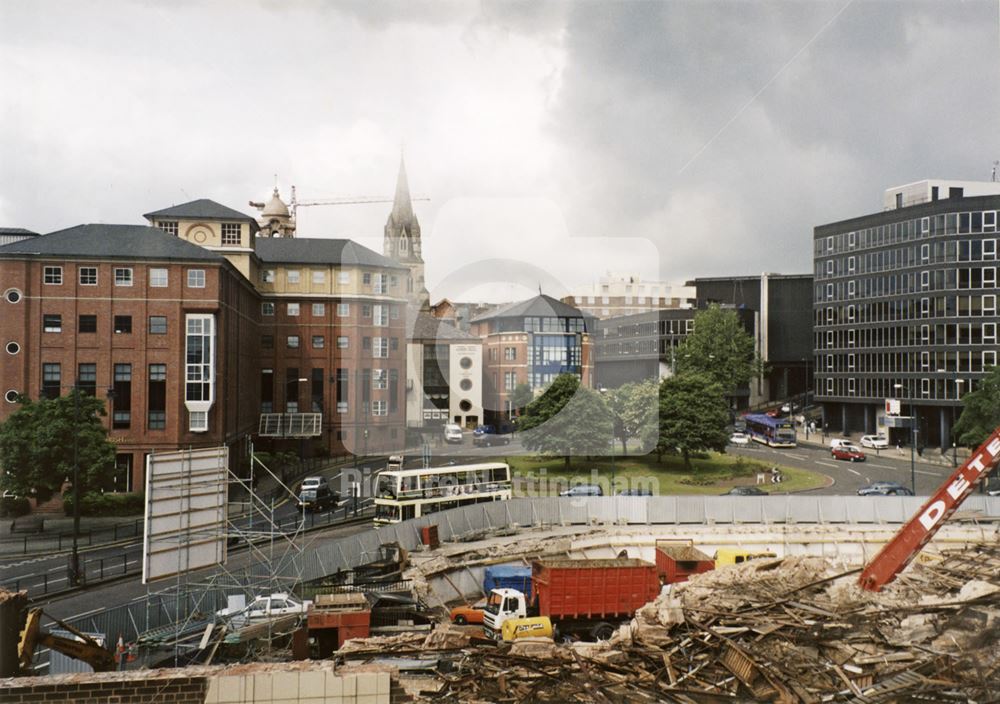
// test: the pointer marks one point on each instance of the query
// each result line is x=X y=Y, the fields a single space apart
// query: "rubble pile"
x=775 y=630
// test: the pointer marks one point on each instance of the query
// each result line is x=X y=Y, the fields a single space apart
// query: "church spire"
x=402 y=206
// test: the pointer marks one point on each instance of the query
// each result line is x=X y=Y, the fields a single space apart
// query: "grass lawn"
x=715 y=474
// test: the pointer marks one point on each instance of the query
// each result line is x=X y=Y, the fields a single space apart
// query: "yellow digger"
x=88 y=650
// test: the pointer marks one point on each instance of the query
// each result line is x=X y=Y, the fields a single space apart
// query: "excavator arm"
x=88 y=650
x=911 y=538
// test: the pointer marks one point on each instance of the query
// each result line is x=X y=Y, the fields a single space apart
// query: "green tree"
x=693 y=415
x=635 y=407
x=567 y=420
x=719 y=347
x=980 y=413
x=37 y=441
x=522 y=396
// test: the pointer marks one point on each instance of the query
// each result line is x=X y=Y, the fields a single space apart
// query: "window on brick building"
x=158 y=278
x=157 y=325
x=121 y=416
x=87 y=323
x=196 y=278
x=51 y=322
x=123 y=276
x=156 y=396
x=51 y=380
x=123 y=324
x=88 y=275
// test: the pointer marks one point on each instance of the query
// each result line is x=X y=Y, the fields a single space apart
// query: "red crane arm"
x=912 y=537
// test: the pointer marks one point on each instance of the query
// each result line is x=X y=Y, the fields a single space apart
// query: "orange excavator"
x=87 y=649
x=917 y=532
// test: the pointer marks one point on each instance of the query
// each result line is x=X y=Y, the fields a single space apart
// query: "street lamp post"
x=913 y=443
x=74 y=564
x=954 y=440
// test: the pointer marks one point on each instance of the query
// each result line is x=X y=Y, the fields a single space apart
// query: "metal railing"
x=47 y=541
x=96 y=570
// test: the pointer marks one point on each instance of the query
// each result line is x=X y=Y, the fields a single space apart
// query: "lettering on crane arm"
x=918 y=531
x=962 y=484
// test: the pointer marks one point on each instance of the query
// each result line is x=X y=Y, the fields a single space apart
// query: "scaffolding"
x=270 y=565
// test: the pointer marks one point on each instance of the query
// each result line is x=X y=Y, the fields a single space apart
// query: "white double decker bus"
x=401 y=494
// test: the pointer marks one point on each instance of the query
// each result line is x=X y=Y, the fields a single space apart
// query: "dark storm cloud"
x=879 y=94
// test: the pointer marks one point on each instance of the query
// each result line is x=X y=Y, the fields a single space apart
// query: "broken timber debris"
x=790 y=630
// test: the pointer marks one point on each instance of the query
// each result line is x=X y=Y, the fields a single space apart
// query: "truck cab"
x=503 y=605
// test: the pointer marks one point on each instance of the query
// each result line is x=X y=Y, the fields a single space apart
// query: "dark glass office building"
x=905 y=306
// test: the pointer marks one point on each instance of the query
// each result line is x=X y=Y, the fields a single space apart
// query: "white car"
x=453 y=433
x=739 y=439
x=311 y=483
x=840 y=442
x=264 y=607
x=875 y=442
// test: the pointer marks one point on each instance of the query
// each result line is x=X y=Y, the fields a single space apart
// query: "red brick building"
x=531 y=342
x=194 y=328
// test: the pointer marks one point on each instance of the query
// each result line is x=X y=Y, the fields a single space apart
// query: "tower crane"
x=295 y=203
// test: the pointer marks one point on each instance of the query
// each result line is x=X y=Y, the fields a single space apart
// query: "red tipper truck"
x=676 y=561
x=585 y=598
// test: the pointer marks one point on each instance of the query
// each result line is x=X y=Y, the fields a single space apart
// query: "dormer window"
x=168 y=226
x=231 y=233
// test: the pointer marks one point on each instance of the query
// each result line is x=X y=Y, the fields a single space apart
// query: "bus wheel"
x=602 y=631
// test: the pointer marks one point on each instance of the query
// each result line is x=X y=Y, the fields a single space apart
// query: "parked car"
x=583 y=490
x=745 y=491
x=837 y=442
x=317 y=498
x=852 y=453
x=487 y=436
x=277 y=604
x=468 y=614
x=884 y=489
x=635 y=492
x=875 y=442
x=453 y=433
x=312 y=483
x=739 y=439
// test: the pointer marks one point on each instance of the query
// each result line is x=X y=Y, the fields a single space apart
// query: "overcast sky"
x=672 y=139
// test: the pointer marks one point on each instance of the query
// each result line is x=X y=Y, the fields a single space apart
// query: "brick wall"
x=175 y=690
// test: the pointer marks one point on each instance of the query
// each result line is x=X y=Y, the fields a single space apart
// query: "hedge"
x=14 y=506
x=110 y=504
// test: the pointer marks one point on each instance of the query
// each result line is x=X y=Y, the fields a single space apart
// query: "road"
x=848 y=477
x=42 y=574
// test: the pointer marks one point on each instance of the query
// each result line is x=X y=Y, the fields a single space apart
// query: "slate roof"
x=201 y=209
x=111 y=241
x=292 y=250
x=540 y=305
x=424 y=326
x=17 y=231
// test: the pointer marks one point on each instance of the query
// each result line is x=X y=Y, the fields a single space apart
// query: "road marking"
x=882 y=466
x=853 y=471
x=929 y=474
x=798 y=457
x=827 y=464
